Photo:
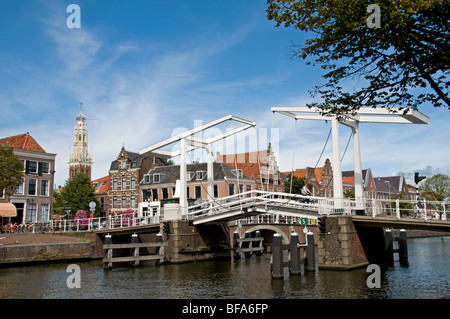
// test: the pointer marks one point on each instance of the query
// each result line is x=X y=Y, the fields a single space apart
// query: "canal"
x=427 y=277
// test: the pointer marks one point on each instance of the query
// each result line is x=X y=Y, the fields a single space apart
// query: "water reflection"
x=427 y=277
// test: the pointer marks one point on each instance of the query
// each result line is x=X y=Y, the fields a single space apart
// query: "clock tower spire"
x=80 y=161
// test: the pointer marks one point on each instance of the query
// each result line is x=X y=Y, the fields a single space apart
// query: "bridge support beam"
x=338 y=190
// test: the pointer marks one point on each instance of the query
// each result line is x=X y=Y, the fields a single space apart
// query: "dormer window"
x=200 y=175
x=190 y=176
x=157 y=178
x=237 y=172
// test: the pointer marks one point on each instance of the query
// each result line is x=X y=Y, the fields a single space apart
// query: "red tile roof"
x=302 y=172
x=249 y=163
x=23 y=142
x=103 y=184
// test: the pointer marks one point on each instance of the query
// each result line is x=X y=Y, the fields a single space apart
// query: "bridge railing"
x=323 y=205
x=400 y=208
x=98 y=223
x=258 y=197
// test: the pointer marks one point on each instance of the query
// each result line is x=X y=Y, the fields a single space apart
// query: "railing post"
x=397 y=207
x=374 y=211
x=425 y=208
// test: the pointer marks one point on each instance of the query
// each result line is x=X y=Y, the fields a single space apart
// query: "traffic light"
x=418 y=178
x=166 y=227
x=321 y=224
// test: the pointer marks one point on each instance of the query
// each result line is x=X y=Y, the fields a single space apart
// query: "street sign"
x=303 y=221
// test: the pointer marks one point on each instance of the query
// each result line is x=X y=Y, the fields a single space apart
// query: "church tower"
x=80 y=161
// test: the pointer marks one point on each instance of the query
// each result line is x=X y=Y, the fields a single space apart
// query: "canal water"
x=427 y=277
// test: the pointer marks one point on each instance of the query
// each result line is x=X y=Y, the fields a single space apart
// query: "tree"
x=395 y=65
x=11 y=169
x=437 y=186
x=297 y=184
x=78 y=193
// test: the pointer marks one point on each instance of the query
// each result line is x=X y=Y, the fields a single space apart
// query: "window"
x=2 y=193
x=216 y=191
x=132 y=201
x=156 y=178
x=43 y=168
x=31 y=186
x=147 y=179
x=146 y=194
x=114 y=203
x=198 y=192
x=31 y=212
x=249 y=188
x=231 y=189
x=241 y=188
x=133 y=182
x=165 y=193
x=19 y=189
x=124 y=164
x=237 y=172
x=200 y=175
x=44 y=187
x=124 y=201
x=31 y=167
x=124 y=183
x=114 y=184
x=190 y=176
x=43 y=214
x=155 y=194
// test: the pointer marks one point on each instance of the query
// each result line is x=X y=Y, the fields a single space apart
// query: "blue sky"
x=147 y=69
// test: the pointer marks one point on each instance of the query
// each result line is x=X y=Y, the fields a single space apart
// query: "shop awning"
x=7 y=210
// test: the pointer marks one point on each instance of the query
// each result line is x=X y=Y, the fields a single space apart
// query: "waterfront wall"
x=46 y=252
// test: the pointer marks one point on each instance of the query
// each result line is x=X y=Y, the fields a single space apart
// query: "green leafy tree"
x=11 y=169
x=297 y=184
x=349 y=193
x=77 y=194
x=403 y=63
x=437 y=186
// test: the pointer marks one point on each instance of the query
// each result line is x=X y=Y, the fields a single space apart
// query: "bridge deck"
x=406 y=223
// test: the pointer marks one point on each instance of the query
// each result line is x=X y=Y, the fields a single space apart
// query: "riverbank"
x=39 y=248
x=9 y=239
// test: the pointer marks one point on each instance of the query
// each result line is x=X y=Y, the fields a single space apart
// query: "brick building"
x=102 y=186
x=370 y=189
x=125 y=174
x=321 y=178
x=159 y=184
x=262 y=166
x=33 y=198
